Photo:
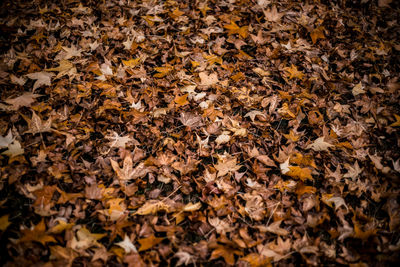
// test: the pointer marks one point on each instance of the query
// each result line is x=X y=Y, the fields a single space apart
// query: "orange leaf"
x=299 y=173
x=235 y=29
x=38 y=234
x=181 y=100
x=149 y=242
x=256 y=260
x=225 y=252
x=316 y=34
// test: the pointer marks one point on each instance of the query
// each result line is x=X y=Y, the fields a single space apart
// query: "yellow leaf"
x=176 y=13
x=163 y=71
x=153 y=206
x=304 y=189
x=299 y=173
x=131 y=62
x=294 y=72
x=235 y=29
x=292 y=136
x=149 y=242
x=397 y=122
x=4 y=223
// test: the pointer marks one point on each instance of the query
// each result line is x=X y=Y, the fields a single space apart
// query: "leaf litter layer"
x=249 y=133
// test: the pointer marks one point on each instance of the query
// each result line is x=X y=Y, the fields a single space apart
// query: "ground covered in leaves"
x=154 y=133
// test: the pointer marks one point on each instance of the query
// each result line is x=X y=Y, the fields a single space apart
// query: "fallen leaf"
x=319 y=145
x=42 y=78
x=25 y=100
x=127 y=245
x=149 y=242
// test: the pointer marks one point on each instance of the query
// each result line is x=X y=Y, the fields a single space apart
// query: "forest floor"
x=201 y=133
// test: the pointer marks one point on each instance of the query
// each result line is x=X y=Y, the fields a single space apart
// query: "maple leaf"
x=65 y=68
x=127 y=245
x=85 y=239
x=36 y=125
x=227 y=253
x=294 y=72
x=272 y=14
x=149 y=242
x=42 y=78
x=353 y=171
x=235 y=29
x=226 y=164
x=118 y=141
x=319 y=145
x=128 y=172
x=24 y=100
x=37 y=233
x=221 y=226
x=255 y=206
x=71 y=52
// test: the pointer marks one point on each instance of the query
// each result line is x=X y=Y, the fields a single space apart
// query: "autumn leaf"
x=397 y=122
x=294 y=72
x=128 y=172
x=154 y=206
x=85 y=239
x=4 y=222
x=163 y=71
x=299 y=173
x=226 y=164
x=226 y=252
x=42 y=78
x=131 y=63
x=317 y=33
x=319 y=145
x=127 y=245
x=272 y=14
x=274 y=228
x=37 y=233
x=13 y=149
x=149 y=242
x=255 y=260
x=329 y=200
x=181 y=100
x=208 y=79
x=233 y=28
x=36 y=125
x=25 y=100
